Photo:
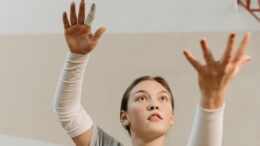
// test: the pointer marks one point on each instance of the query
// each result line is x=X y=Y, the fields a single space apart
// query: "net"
x=252 y=6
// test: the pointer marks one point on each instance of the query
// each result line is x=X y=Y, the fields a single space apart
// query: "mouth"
x=155 y=117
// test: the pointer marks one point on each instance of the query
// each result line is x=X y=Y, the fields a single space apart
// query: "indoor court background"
x=143 y=37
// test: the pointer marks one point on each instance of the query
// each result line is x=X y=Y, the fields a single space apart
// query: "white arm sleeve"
x=207 y=127
x=67 y=106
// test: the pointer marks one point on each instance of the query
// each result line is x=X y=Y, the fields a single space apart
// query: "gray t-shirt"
x=100 y=138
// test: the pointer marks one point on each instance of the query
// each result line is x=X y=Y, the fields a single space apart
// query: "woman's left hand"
x=215 y=75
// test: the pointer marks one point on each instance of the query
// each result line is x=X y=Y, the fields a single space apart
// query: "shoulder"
x=101 y=138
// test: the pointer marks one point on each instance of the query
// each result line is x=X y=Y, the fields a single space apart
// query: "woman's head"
x=147 y=106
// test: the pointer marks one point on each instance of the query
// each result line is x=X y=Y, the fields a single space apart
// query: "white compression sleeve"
x=67 y=106
x=207 y=128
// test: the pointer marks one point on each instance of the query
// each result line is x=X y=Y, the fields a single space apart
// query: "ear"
x=172 y=119
x=124 y=118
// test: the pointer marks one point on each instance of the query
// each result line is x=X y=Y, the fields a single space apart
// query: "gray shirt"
x=100 y=138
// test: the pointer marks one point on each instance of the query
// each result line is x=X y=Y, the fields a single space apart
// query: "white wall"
x=44 y=16
x=30 y=66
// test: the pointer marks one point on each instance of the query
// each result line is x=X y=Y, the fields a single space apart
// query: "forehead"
x=150 y=86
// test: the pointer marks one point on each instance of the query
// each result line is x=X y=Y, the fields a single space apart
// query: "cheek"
x=168 y=111
x=137 y=113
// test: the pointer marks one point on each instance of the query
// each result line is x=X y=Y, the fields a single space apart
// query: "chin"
x=156 y=133
x=151 y=129
x=158 y=129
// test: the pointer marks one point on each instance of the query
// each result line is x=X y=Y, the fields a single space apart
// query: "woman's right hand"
x=78 y=35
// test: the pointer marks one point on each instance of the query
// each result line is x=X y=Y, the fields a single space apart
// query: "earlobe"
x=172 y=120
x=126 y=123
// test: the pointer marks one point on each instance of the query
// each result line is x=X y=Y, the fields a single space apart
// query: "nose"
x=153 y=106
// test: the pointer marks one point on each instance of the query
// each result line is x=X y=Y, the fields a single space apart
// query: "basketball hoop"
x=252 y=6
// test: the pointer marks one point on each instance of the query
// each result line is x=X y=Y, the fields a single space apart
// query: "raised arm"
x=81 y=41
x=214 y=78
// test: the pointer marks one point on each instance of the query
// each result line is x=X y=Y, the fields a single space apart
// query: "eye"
x=142 y=98
x=163 y=98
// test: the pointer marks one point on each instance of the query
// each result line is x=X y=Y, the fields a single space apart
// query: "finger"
x=91 y=15
x=65 y=20
x=243 y=46
x=228 y=53
x=206 y=52
x=81 y=15
x=192 y=60
x=73 y=18
x=241 y=63
x=244 y=59
x=98 y=34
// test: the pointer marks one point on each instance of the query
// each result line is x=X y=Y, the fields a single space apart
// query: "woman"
x=147 y=107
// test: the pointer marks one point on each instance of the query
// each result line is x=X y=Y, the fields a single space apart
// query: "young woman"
x=147 y=107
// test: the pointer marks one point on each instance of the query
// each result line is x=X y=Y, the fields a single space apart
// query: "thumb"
x=244 y=59
x=98 y=34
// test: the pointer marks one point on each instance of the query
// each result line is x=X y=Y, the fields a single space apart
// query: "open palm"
x=78 y=35
x=215 y=75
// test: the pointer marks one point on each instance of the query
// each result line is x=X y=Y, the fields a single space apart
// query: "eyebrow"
x=138 y=91
x=143 y=91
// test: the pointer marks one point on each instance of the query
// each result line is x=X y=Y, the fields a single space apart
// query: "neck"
x=155 y=141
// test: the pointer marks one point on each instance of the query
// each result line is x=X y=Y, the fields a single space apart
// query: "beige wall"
x=30 y=66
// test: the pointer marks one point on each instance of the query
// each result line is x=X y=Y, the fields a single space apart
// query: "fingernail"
x=232 y=34
x=202 y=41
x=185 y=52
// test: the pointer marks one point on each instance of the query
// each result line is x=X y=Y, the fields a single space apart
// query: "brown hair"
x=125 y=98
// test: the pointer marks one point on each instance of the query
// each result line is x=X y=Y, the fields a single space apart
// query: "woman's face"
x=149 y=109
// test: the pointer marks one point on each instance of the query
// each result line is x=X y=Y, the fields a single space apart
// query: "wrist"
x=77 y=57
x=213 y=101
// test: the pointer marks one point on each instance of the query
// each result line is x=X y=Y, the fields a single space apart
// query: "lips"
x=155 y=116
